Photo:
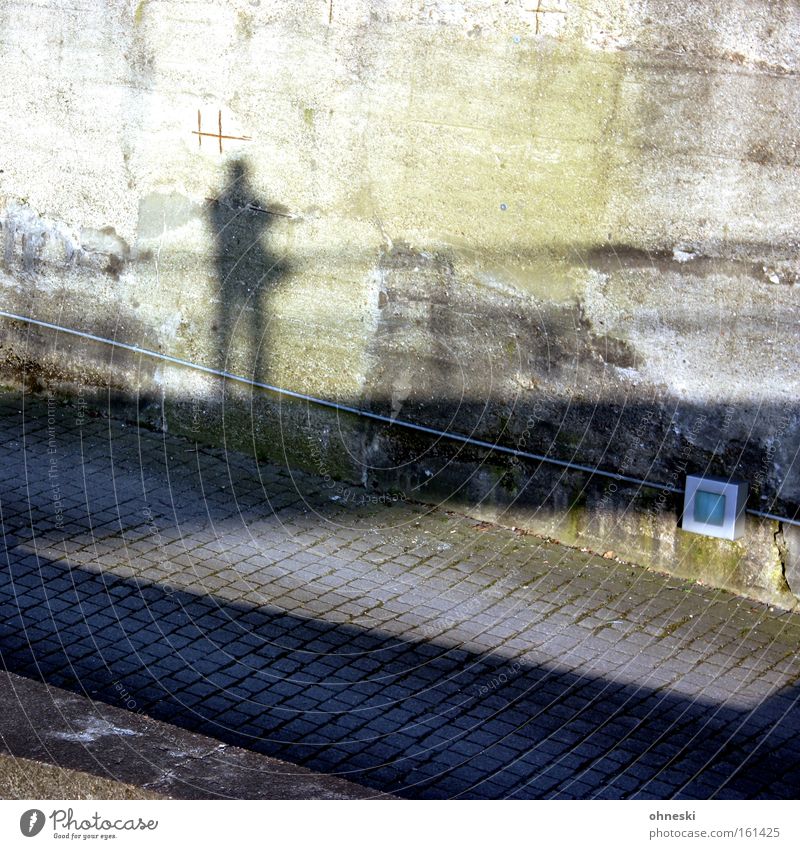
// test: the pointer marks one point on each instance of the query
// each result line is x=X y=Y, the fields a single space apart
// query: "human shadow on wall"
x=247 y=273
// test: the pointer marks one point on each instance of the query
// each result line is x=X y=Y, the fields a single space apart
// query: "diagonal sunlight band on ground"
x=406 y=648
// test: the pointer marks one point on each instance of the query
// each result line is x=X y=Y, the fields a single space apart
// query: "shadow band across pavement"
x=407 y=717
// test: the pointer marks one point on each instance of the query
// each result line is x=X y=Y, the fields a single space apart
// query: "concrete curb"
x=52 y=726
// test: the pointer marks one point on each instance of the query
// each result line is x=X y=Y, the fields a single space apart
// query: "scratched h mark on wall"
x=540 y=10
x=218 y=135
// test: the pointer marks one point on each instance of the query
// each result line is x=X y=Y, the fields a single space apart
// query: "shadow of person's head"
x=237 y=187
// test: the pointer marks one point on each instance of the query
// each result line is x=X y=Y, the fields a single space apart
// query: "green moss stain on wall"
x=732 y=565
x=503 y=145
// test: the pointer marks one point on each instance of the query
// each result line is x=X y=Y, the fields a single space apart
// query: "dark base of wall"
x=355 y=455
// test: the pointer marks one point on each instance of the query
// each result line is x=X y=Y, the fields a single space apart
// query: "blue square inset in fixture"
x=714 y=507
x=709 y=507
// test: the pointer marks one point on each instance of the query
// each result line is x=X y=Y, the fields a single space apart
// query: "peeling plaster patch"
x=36 y=238
x=401 y=389
x=491 y=282
x=599 y=308
x=629 y=374
x=377 y=297
x=168 y=331
x=94 y=729
x=106 y=243
x=614 y=351
x=680 y=254
x=160 y=213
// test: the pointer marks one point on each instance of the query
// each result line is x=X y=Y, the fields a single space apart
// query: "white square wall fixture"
x=714 y=507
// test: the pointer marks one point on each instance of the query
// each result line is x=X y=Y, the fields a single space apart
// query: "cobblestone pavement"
x=403 y=647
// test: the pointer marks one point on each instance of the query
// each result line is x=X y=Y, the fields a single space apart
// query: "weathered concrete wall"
x=573 y=231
